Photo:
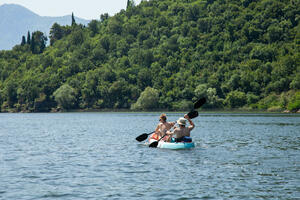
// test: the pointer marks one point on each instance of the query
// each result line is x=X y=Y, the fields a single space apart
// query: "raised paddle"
x=199 y=103
x=191 y=114
x=143 y=136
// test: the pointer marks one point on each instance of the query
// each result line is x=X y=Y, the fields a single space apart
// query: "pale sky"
x=87 y=9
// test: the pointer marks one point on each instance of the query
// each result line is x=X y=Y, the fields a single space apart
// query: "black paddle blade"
x=142 y=137
x=199 y=103
x=153 y=144
x=193 y=114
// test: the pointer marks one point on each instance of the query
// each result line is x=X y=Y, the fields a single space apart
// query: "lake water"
x=96 y=156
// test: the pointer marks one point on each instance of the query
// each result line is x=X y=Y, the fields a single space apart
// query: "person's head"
x=181 y=121
x=163 y=117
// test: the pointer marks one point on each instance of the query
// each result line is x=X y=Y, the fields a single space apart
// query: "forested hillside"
x=162 y=54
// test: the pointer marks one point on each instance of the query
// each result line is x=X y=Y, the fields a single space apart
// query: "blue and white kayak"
x=176 y=145
x=173 y=145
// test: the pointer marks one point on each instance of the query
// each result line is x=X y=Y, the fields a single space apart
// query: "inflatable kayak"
x=175 y=145
x=172 y=145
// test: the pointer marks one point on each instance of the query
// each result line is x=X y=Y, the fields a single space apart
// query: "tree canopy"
x=165 y=52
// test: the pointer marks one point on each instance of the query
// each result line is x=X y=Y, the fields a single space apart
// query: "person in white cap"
x=182 y=133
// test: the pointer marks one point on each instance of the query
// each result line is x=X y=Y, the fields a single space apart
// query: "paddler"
x=182 y=133
x=162 y=128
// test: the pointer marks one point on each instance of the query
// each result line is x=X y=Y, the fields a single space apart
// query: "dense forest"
x=161 y=54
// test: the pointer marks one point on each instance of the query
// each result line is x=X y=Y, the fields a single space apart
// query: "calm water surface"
x=95 y=156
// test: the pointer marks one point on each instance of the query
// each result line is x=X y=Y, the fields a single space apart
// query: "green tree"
x=252 y=98
x=119 y=92
x=144 y=78
x=115 y=26
x=73 y=20
x=148 y=100
x=65 y=96
x=38 y=42
x=56 y=33
x=93 y=26
x=104 y=17
x=235 y=99
x=213 y=100
x=10 y=93
x=130 y=4
x=28 y=38
x=77 y=36
x=32 y=44
x=183 y=105
x=28 y=89
x=201 y=91
x=23 y=41
x=294 y=103
x=105 y=42
x=295 y=84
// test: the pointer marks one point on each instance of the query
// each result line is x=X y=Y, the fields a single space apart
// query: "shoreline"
x=201 y=111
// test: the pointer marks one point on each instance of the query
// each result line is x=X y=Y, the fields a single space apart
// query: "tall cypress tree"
x=73 y=19
x=23 y=41
x=32 y=44
x=28 y=38
x=130 y=3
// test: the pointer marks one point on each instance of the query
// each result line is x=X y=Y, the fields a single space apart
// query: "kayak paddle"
x=193 y=114
x=143 y=136
x=154 y=144
x=199 y=103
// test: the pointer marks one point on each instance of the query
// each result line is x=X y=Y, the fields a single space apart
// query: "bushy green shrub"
x=148 y=100
x=294 y=103
x=235 y=99
x=269 y=101
x=183 y=105
x=65 y=96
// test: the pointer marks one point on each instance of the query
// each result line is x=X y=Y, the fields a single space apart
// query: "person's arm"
x=172 y=124
x=192 y=126
x=169 y=133
x=157 y=130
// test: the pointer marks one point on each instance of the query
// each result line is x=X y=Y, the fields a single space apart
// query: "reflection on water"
x=95 y=156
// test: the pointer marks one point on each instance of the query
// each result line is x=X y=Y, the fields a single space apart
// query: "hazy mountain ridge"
x=16 y=21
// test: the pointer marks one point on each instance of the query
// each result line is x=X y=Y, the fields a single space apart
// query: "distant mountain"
x=16 y=21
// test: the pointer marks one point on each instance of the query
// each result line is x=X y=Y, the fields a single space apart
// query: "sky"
x=87 y=9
